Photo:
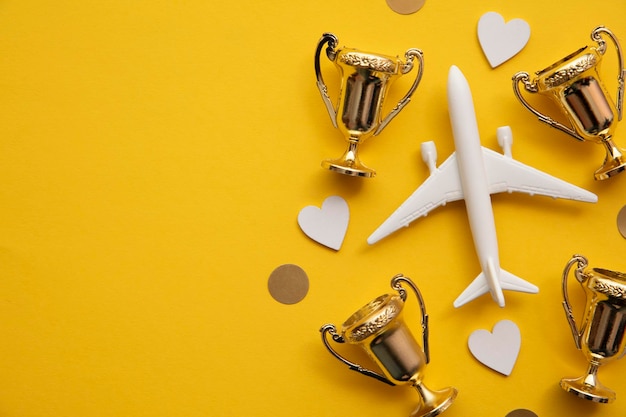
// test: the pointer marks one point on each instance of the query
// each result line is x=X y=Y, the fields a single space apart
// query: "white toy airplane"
x=473 y=173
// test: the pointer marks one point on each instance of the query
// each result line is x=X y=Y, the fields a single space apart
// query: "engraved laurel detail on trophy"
x=366 y=79
x=601 y=335
x=362 y=60
x=575 y=85
x=367 y=329
x=571 y=71
x=612 y=290
x=379 y=329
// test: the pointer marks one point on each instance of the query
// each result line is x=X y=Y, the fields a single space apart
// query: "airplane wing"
x=506 y=174
x=441 y=187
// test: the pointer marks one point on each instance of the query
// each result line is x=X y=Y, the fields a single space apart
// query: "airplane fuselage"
x=474 y=179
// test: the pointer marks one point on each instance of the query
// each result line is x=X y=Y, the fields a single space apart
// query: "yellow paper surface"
x=154 y=156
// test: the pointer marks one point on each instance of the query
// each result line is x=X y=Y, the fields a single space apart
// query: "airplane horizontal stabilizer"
x=480 y=286
x=477 y=288
x=511 y=282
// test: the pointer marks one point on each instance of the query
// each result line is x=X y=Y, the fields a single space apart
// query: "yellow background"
x=154 y=156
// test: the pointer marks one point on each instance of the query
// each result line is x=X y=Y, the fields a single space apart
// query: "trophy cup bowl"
x=379 y=329
x=574 y=84
x=602 y=334
x=366 y=78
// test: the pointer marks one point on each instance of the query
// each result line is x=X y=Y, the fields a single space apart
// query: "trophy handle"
x=595 y=35
x=532 y=88
x=331 y=40
x=330 y=329
x=582 y=264
x=395 y=284
x=410 y=55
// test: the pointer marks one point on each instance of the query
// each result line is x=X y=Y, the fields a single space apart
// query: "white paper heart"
x=327 y=225
x=501 y=41
x=497 y=350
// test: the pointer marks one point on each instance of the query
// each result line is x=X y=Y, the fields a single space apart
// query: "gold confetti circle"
x=621 y=221
x=521 y=413
x=405 y=6
x=288 y=284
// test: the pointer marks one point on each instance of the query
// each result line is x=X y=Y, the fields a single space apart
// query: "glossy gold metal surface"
x=602 y=334
x=574 y=84
x=380 y=330
x=365 y=81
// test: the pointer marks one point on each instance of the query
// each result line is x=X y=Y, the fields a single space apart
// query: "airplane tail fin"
x=506 y=281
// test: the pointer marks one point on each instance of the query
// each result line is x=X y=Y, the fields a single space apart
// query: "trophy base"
x=435 y=403
x=610 y=169
x=614 y=162
x=597 y=394
x=351 y=168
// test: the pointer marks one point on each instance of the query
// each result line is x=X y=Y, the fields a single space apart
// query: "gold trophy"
x=365 y=80
x=574 y=84
x=378 y=328
x=602 y=335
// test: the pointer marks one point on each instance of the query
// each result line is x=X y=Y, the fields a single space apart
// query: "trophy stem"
x=433 y=403
x=588 y=386
x=592 y=375
x=349 y=163
x=614 y=163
